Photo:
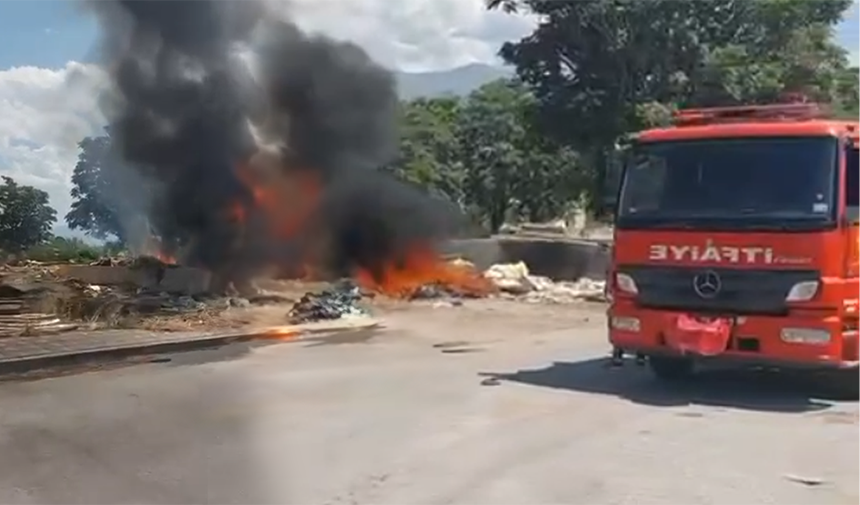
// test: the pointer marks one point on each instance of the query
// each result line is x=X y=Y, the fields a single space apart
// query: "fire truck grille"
x=719 y=290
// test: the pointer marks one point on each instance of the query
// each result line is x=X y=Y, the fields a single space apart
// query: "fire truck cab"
x=736 y=238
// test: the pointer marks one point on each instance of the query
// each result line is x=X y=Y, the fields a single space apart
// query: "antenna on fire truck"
x=793 y=107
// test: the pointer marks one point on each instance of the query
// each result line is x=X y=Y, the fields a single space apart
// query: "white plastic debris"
x=510 y=277
x=568 y=292
x=514 y=278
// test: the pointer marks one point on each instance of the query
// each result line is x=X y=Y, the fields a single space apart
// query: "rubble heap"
x=39 y=298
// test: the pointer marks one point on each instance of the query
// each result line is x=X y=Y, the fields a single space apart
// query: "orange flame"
x=282 y=332
x=165 y=258
x=155 y=248
x=288 y=199
x=421 y=267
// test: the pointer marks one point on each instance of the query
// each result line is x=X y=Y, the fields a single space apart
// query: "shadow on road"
x=736 y=388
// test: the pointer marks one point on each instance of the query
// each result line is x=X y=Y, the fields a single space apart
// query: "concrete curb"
x=103 y=354
x=21 y=364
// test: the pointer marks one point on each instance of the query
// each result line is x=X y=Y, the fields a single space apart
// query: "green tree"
x=594 y=64
x=802 y=60
x=90 y=210
x=108 y=199
x=428 y=148
x=509 y=169
x=25 y=216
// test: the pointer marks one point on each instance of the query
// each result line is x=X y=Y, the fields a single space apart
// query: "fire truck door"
x=851 y=195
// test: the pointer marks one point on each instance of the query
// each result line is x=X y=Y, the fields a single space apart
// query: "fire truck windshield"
x=733 y=183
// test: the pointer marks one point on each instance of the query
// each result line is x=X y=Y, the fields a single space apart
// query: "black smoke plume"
x=186 y=110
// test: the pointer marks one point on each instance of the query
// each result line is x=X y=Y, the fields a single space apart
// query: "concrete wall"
x=171 y=279
x=559 y=259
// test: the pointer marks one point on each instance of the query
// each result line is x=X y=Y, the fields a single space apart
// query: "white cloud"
x=44 y=113
x=846 y=34
x=413 y=35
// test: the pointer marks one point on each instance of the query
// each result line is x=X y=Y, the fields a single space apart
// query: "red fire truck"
x=736 y=238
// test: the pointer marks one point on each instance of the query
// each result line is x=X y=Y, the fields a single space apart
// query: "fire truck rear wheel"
x=671 y=368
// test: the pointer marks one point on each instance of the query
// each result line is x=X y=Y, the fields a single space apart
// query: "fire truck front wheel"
x=671 y=368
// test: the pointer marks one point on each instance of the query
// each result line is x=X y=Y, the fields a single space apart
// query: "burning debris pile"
x=459 y=279
x=424 y=275
x=253 y=149
x=425 y=278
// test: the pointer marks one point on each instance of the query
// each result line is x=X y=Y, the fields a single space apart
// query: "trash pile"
x=106 y=303
x=514 y=280
x=125 y=290
x=336 y=302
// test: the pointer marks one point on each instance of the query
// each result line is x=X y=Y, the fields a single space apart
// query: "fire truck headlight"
x=626 y=283
x=802 y=291
x=625 y=323
x=804 y=336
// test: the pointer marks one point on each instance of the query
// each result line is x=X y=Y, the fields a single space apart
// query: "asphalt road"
x=409 y=415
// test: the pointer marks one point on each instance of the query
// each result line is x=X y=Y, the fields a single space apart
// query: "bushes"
x=64 y=249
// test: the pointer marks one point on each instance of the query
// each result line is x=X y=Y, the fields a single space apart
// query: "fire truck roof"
x=781 y=120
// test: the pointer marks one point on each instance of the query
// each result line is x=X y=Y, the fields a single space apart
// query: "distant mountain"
x=458 y=81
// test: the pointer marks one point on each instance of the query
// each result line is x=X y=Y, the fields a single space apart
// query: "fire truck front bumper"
x=802 y=341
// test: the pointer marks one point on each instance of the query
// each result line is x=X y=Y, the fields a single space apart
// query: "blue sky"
x=48 y=33
x=44 y=33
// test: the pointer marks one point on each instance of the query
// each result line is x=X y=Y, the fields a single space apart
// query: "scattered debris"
x=456 y=347
x=515 y=279
x=806 y=481
x=491 y=381
x=335 y=303
x=429 y=291
x=461 y=350
x=450 y=345
x=462 y=263
x=239 y=302
x=453 y=302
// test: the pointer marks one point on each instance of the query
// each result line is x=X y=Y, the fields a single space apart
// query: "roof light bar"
x=746 y=113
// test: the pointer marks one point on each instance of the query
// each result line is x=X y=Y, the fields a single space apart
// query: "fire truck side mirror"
x=612 y=183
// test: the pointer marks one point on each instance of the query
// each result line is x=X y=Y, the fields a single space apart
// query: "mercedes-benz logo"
x=707 y=284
